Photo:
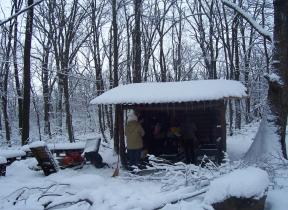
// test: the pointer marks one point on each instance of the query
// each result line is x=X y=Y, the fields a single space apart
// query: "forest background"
x=81 y=48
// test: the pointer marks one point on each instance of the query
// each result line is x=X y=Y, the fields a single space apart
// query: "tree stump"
x=234 y=203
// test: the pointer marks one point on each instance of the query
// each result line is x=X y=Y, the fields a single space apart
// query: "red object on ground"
x=72 y=158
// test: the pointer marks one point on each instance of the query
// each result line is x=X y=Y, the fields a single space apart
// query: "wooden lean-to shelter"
x=169 y=105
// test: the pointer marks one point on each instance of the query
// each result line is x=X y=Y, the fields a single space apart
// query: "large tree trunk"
x=34 y=101
x=247 y=56
x=115 y=72
x=16 y=72
x=278 y=90
x=237 y=77
x=26 y=75
x=4 y=85
x=95 y=48
x=270 y=139
x=5 y=108
x=137 y=42
x=59 y=107
x=0 y=124
x=67 y=107
x=162 y=61
x=45 y=86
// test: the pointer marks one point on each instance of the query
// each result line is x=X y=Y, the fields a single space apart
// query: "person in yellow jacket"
x=134 y=133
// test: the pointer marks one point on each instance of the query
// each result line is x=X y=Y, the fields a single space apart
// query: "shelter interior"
x=183 y=131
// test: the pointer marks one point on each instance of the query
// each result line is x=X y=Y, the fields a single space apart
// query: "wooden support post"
x=116 y=129
x=122 y=137
x=223 y=125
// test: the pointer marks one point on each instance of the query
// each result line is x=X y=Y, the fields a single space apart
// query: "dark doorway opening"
x=182 y=135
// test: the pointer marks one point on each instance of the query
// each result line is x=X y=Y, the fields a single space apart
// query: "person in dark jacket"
x=134 y=138
x=188 y=131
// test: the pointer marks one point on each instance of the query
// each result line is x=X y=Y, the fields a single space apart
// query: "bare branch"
x=20 y=12
x=266 y=34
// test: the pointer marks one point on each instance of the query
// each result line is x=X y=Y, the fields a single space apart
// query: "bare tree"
x=4 y=75
x=97 y=16
x=26 y=75
x=206 y=35
x=271 y=134
x=177 y=45
x=66 y=41
x=136 y=70
x=18 y=5
x=45 y=52
x=278 y=81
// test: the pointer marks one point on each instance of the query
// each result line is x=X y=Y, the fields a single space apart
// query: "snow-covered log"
x=249 y=182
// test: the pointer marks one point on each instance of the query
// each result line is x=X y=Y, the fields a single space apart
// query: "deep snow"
x=29 y=189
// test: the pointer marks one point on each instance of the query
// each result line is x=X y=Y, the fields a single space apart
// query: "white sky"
x=5 y=8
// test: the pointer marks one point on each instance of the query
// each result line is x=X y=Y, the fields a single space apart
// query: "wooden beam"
x=122 y=137
x=187 y=106
x=223 y=125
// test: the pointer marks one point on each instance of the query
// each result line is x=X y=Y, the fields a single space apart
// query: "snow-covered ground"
x=240 y=142
x=91 y=188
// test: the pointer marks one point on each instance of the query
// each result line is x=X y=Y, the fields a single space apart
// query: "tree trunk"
x=162 y=61
x=128 y=47
x=230 y=117
x=16 y=72
x=101 y=120
x=247 y=56
x=0 y=124
x=267 y=58
x=67 y=107
x=270 y=138
x=137 y=42
x=37 y=113
x=4 y=84
x=59 y=101
x=109 y=116
x=237 y=77
x=45 y=86
x=278 y=90
x=26 y=75
x=116 y=130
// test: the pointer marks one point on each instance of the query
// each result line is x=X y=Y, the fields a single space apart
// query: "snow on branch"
x=20 y=12
x=248 y=18
x=274 y=78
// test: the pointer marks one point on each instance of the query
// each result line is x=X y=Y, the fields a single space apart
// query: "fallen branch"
x=21 y=191
x=68 y=203
x=184 y=197
x=46 y=195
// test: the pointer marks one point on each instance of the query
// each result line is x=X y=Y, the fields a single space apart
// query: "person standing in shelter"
x=134 y=136
x=188 y=131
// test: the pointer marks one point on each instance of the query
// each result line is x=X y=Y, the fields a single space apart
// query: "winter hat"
x=131 y=116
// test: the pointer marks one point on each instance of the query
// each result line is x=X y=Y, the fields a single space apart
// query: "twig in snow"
x=68 y=203
x=21 y=191
x=46 y=195
x=184 y=197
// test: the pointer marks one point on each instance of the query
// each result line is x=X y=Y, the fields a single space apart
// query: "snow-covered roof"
x=172 y=92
